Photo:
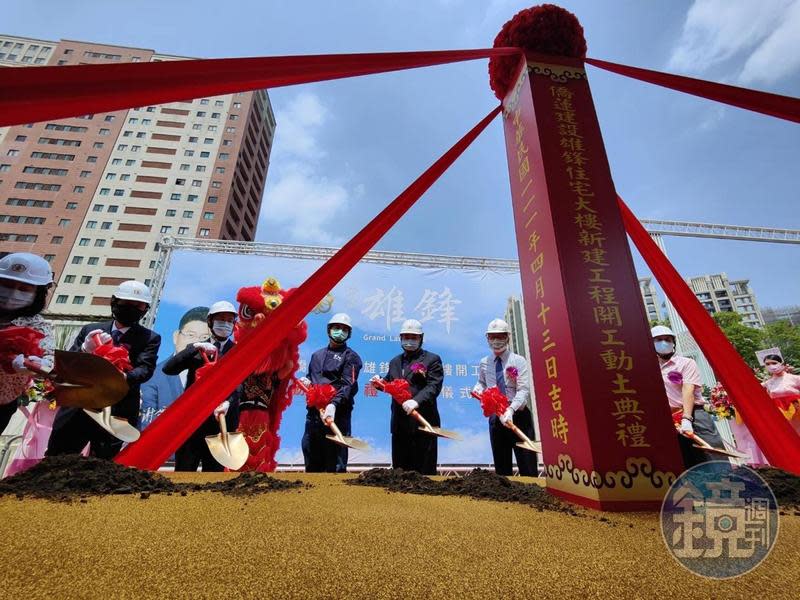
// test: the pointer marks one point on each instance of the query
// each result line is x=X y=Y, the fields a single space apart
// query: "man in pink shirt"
x=683 y=386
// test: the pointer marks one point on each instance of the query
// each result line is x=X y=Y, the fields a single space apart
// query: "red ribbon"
x=116 y=355
x=320 y=395
x=17 y=340
x=167 y=432
x=30 y=94
x=398 y=389
x=773 y=434
x=783 y=107
x=493 y=402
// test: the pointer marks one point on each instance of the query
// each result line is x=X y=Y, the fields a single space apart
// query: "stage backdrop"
x=454 y=306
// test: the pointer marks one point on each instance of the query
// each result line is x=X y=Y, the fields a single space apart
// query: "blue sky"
x=344 y=149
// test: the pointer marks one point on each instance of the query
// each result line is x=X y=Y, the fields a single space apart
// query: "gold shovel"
x=228 y=449
x=703 y=445
x=83 y=380
x=428 y=428
x=525 y=442
x=116 y=426
x=342 y=440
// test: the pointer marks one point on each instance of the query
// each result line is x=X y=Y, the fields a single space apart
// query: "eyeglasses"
x=191 y=336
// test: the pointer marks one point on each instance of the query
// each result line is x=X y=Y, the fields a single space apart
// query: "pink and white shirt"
x=677 y=371
x=786 y=385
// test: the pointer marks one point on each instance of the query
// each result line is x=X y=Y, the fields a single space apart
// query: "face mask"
x=775 y=369
x=15 y=299
x=410 y=345
x=337 y=335
x=127 y=314
x=664 y=347
x=222 y=329
x=498 y=345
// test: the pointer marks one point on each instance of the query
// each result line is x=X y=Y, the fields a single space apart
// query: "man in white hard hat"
x=684 y=394
x=73 y=428
x=338 y=365
x=194 y=451
x=509 y=373
x=25 y=280
x=162 y=390
x=411 y=449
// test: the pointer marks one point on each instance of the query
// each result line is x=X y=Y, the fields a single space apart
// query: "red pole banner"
x=773 y=433
x=607 y=435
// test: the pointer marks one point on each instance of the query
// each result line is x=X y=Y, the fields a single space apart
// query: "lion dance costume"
x=267 y=391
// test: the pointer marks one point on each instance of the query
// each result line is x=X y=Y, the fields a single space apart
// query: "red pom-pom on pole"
x=397 y=389
x=544 y=29
x=116 y=355
x=320 y=395
x=16 y=340
x=493 y=402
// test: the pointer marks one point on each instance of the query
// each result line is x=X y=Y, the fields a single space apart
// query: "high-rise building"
x=718 y=294
x=515 y=317
x=650 y=298
x=784 y=313
x=95 y=194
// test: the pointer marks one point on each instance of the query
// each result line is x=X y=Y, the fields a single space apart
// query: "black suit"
x=194 y=451
x=412 y=449
x=72 y=428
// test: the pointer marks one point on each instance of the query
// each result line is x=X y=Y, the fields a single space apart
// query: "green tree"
x=786 y=337
x=746 y=340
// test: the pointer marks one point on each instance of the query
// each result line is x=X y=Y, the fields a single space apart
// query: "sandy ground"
x=336 y=540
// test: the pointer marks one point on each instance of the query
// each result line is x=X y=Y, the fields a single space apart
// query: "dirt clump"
x=72 y=477
x=478 y=483
x=785 y=486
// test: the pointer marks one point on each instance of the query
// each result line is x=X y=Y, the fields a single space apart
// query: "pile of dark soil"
x=479 y=483
x=785 y=486
x=69 y=477
x=248 y=484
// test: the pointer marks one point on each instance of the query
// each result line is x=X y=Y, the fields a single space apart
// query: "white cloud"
x=762 y=34
x=301 y=200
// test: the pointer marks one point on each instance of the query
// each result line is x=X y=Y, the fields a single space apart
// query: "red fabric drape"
x=183 y=416
x=783 y=107
x=773 y=433
x=30 y=94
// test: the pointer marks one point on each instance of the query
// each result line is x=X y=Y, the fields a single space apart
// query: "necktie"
x=115 y=336
x=498 y=374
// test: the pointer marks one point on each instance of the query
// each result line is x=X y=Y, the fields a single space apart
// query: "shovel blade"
x=532 y=446
x=119 y=428
x=350 y=442
x=720 y=451
x=231 y=455
x=445 y=433
x=87 y=381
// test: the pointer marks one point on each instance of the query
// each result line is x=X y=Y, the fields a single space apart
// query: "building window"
x=188 y=152
x=191 y=198
x=166 y=229
x=185 y=166
x=119 y=192
x=98 y=145
x=205 y=232
x=224 y=156
x=218 y=103
x=104 y=131
x=85 y=174
x=86 y=279
x=193 y=140
x=234 y=117
x=5 y=168
x=56 y=239
x=76 y=260
x=78 y=189
x=208 y=140
x=69 y=278
x=175 y=197
x=124 y=177
x=135 y=148
x=130 y=162
x=220 y=170
x=188 y=214
x=104 y=191
x=78 y=300
x=180 y=182
x=215 y=115
x=216 y=184
x=105 y=225
x=122 y=147
x=204 y=101
x=61 y=299
x=197 y=182
x=201 y=113
x=64 y=222
x=83 y=242
x=12 y=152
x=99 y=243
x=20 y=138
x=227 y=143
x=116 y=161
x=133 y=121
x=182 y=230
x=112 y=208
x=91 y=224
x=49 y=257
x=109 y=118
x=212 y=128
x=91 y=159
x=72 y=205
x=197 y=127
x=171 y=213
x=237 y=105
x=111 y=175
x=205 y=154
x=152 y=264
x=200 y=168
x=212 y=199
x=208 y=216
x=93 y=260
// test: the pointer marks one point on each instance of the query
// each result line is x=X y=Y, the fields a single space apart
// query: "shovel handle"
x=422 y=420
x=330 y=423
x=34 y=368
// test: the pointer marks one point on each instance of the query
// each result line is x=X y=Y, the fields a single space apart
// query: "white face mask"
x=664 y=347
x=775 y=369
x=498 y=345
x=222 y=329
x=410 y=345
x=11 y=299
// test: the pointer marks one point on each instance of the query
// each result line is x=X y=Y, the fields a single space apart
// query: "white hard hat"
x=132 y=290
x=341 y=319
x=411 y=326
x=660 y=330
x=27 y=268
x=223 y=306
x=498 y=326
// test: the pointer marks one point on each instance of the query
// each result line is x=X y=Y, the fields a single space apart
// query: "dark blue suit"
x=340 y=367
x=157 y=394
